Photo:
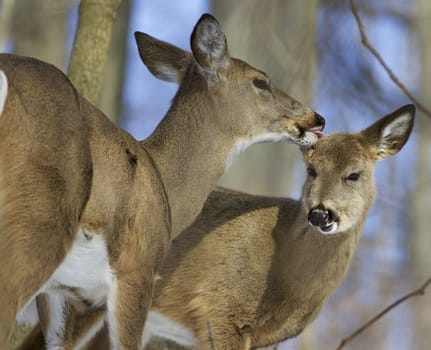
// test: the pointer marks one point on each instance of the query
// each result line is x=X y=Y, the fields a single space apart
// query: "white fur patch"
x=397 y=127
x=243 y=144
x=3 y=91
x=167 y=74
x=163 y=327
x=331 y=231
x=85 y=268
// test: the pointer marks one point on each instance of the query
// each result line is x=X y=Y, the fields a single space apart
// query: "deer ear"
x=209 y=46
x=389 y=134
x=165 y=61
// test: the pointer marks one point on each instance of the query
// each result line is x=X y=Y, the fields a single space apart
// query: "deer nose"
x=320 y=216
x=320 y=120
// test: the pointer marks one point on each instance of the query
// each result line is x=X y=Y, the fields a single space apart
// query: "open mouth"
x=328 y=229
x=309 y=137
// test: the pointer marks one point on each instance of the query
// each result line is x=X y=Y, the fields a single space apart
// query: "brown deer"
x=87 y=212
x=253 y=271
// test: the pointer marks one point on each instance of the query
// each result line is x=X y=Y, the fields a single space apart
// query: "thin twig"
x=394 y=78
x=417 y=292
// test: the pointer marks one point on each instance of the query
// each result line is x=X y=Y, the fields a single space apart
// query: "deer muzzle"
x=310 y=131
x=323 y=218
x=320 y=121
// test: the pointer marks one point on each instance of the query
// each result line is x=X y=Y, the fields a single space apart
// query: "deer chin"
x=329 y=229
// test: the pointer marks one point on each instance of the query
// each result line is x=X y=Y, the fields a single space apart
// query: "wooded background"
x=313 y=51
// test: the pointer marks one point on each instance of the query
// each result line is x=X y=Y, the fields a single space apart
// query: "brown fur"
x=64 y=166
x=252 y=268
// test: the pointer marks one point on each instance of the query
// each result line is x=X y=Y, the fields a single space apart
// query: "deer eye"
x=311 y=172
x=353 y=176
x=261 y=84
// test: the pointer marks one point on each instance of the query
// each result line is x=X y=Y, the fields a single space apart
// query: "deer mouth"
x=328 y=229
x=308 y=137
x=318 y=133
x=311 y=131
x=324 y=219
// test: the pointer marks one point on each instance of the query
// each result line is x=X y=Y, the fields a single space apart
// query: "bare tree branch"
x=375 y=53
x=417 y=292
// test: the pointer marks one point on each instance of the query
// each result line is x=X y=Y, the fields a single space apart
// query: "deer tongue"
x=319 y=134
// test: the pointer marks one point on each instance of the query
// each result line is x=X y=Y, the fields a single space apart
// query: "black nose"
x=320 y=216
x=320 y=120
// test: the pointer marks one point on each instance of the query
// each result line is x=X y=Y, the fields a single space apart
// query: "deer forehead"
x=338 y=152
x=241 y=69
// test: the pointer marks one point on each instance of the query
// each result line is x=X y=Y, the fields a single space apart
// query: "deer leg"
x=100 y=341
x=56 y=317
x=86 y=328
x=221 y=337
x=56 y=323
x=21 y=279
x=38 y=222
x=134 y=271
x=34 y=340
x=128 y=305
x=7 y=319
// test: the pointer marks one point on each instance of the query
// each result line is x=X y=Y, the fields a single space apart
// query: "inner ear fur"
x=209 y=45
x=165 y=61
x=389 y=134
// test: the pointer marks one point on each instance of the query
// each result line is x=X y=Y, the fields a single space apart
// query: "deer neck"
x=309 y=264
x=190 y=153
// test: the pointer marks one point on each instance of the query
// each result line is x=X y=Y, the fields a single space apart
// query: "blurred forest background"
x=313 y=51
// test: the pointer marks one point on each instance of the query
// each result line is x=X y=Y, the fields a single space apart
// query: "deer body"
x=252 y=271
x=273 y=273
x=77 y=189
x=54 y=178
x=259 y=269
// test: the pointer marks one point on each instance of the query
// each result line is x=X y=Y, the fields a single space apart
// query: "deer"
x=253 y=270
x=87 y=211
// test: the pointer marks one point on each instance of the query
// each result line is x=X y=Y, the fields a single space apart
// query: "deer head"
x=240 y=100
x=336 y=203
x=222 y=106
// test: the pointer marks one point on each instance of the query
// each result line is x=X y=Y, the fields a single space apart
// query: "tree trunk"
x=112 y=87
x=278 y=37
x=420 y=201
x=87 y=63
x=39 y=30
x=6 y=12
